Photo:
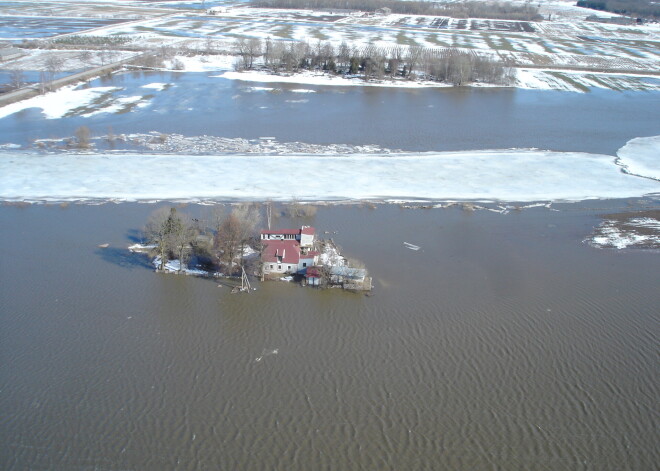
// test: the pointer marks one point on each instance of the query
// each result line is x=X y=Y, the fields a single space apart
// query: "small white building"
x=288 y=251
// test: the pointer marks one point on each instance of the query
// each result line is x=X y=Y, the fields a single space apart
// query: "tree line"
x=218 y=242
x=449 y=65
x=469 y=9
x=635 y=8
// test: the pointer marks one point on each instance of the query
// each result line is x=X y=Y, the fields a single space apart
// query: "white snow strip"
x=141 y=247
x=156 y=86
x=641 y=156
x=204 y=63
x=315 y=78
x=118 y=105
x=510 y=175
x=57 y=104
x=174 y=266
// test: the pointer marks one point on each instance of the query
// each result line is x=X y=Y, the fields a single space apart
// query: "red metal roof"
x=312 y=272
x=289 y=250
x=308 y=230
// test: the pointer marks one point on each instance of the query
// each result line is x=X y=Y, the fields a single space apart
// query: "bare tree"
x=54 y=64
x=83 y=137
x=157 y=231
x=248 y=50
x=234 y=232
x=413 y=57
x=16 y=79
x=85 y=57
x=172 y=234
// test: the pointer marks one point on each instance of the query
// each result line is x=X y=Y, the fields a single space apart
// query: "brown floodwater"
x=505 y=342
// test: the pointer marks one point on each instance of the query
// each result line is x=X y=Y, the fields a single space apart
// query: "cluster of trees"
x=469 y=9
x=444 y=65
x=118 y=40
x=490 y=10
x=636 y=8
x=219 y=241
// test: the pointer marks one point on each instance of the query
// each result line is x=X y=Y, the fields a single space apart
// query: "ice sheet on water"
x=641 y=156
x=509 y=175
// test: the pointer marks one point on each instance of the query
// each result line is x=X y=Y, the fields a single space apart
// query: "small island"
x=232 y=248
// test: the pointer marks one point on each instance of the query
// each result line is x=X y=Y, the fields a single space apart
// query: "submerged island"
x=231 y=248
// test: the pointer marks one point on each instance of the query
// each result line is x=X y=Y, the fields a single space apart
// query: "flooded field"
x=440 y=119
x=505 y=342
x=27 y=27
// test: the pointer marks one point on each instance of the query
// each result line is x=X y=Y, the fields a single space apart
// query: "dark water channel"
x=504 y=343
x=415 y=120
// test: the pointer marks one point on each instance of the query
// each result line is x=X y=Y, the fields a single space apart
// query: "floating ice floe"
x=617 y=235
x=641 y=156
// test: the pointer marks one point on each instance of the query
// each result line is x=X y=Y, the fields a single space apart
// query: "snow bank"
x=57 y=104
x=174 y=266
x=203 y=63
x=641 y=156
x=157 y=86
x=511 y=175
x=316 y=78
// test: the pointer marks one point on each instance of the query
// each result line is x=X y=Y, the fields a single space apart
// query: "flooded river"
x=412 y=120
x=503 y=343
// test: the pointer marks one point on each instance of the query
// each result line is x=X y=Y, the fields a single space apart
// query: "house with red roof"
x=288 y=251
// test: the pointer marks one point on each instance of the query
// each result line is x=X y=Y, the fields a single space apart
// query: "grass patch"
x=284 y=32
x=433 y=39
x=317 y=34
x=611 y=85
x=404 y=40
x=570 y=81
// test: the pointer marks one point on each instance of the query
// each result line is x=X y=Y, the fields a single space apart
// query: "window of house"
x=271 y=267
x=279 y=267
x=304 y=264
x=289 y=267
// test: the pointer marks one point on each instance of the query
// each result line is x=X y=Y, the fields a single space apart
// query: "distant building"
x=383 y=11
x=288 y=251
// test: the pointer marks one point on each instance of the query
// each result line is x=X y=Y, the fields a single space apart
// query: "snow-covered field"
x=511 y=175
x=564 y=52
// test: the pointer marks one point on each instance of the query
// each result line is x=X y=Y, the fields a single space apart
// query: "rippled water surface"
x=504 y=343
